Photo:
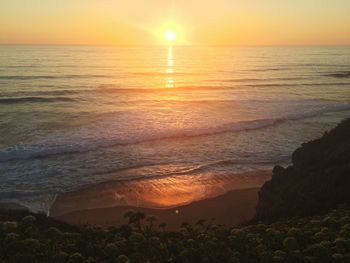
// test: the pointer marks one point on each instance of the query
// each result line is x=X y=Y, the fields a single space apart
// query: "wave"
x=34 y=100
x=107 y=89
x=298 y=84
x=21 y=193
x=38 y=94
x=339 y=75
x=35 y=93
x=45 y=90
x=19 y=66
x=35 y=201
x=34 y=77
x=260 y=79
x=206 y=167
x=164 y=73
x=318 y=65
x=269 y=69
x=22 y=152
x=180 y=171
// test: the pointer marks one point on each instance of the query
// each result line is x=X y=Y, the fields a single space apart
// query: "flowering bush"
x=35 y=238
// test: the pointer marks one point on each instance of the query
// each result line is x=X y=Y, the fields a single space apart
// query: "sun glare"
x=169 y=33
x=170 y=36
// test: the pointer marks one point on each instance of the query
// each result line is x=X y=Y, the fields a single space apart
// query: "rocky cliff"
x=317 y=180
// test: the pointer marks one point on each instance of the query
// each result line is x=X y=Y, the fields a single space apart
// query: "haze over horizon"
x=221 y=22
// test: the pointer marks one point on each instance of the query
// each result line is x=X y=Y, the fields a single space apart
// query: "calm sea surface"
x=72 y=117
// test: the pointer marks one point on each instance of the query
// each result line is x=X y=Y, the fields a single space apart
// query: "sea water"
x=75 y=116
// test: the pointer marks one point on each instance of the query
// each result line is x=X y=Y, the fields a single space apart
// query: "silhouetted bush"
x=300 y=239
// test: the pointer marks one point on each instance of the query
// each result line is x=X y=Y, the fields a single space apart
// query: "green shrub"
x=317 y=239
x=29 y=220
x=76 y=258
x=123 y=259
x=290 y=243
x=9 y=226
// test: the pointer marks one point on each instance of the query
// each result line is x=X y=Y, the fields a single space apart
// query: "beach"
x=100 y=206
x=232 y=208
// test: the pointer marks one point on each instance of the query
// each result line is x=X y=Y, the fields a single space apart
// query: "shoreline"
x=231 y=208
x=156 y=193
x=106 y=204
x=229 y=200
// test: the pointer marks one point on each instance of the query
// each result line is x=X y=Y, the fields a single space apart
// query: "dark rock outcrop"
x=317 y=181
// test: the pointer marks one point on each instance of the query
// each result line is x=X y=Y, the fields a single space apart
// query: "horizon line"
x=182 y=45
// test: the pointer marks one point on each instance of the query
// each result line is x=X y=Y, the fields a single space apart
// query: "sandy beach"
x=231 y=206
x=234 y=207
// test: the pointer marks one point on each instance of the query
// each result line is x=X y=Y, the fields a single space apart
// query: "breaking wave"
x=21 y=152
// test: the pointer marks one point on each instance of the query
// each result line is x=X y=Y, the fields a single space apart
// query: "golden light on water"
x=158 y=193
x=170 y=68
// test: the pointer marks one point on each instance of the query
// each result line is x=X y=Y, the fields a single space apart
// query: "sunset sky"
x=204 y=22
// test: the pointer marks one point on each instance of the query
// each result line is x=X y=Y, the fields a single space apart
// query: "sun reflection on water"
x=170 y=83
x=165 y=192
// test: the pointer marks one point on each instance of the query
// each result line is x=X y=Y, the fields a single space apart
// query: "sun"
x=169 y=33
x=170 y=36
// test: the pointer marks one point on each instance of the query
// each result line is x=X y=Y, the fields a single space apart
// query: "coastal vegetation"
x=25 y=237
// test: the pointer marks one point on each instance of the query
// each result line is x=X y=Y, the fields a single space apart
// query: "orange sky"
x=207 y=22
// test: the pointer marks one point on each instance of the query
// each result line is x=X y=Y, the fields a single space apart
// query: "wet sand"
x=174 y=200
x=234 y=207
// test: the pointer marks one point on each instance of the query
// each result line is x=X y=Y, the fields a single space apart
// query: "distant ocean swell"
x=112 y=89
x=40 y=93
x=47 y=96
x=334 y=74
x=21 y=152
x=341 y=74
x=34 y=100
x=34 y=77
x=43 y=96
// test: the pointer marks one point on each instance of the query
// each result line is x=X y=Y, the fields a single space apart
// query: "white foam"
x=109 y=134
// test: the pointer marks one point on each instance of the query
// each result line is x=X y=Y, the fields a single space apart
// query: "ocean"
x=72 y=117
